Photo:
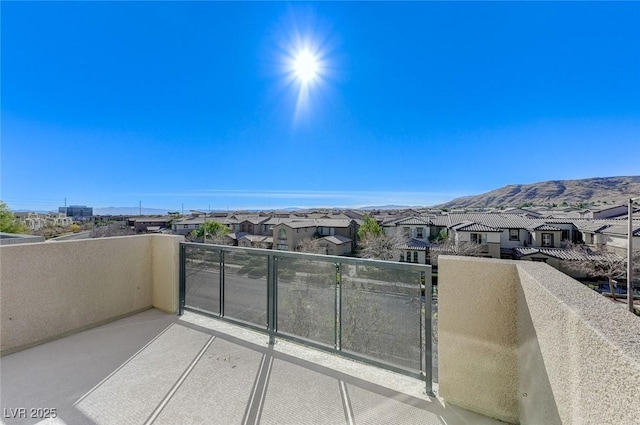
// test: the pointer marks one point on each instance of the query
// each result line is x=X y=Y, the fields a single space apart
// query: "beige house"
x=287 y=235
x=486 y=236
x=37 y=221
x=545 y=236
x=335 y=245
x=255 y=241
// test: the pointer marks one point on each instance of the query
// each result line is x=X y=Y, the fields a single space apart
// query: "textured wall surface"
x=50 y=289
x=477 y=335
x=577 y=353
x=166 y=272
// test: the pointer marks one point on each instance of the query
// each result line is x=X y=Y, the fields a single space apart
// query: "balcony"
x=89 y=328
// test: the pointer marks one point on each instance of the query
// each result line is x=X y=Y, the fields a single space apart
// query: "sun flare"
x=305 y=66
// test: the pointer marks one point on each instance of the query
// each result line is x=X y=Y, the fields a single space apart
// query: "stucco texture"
x=477 y=336
x=578 y=353
x=50 y=289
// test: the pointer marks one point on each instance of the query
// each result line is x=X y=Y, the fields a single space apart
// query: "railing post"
x=272 y=298
x=428 y=359
x=338 y=308
x=221 y=265
x=182 y=292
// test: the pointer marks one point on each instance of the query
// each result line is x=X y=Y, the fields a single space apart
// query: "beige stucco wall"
x=587 y=369
x=477 y=338
x=577 y=354
x=49 y=290
x=166 y=272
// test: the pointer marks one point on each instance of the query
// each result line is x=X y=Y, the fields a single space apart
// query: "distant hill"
x=128 y=211
x=612 y=190
x=386 y=207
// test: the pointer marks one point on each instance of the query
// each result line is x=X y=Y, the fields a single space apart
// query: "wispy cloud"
x=295 y=194
x=241 y=198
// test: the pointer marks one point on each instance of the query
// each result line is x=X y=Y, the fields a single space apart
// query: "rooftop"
x=156 y=368
x=91 y=330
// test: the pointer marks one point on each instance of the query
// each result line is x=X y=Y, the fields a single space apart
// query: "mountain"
x=612 y=190
x=387 y=207
x=128 y=211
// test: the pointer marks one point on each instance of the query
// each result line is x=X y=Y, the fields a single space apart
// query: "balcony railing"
x=374 y=311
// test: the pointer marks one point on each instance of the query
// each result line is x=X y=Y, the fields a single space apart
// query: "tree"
x=450 y=247
x=382 y=246
x=600 y=264
x=213 y=232
x=369 y=228
x=310 y=245
x=8 y=222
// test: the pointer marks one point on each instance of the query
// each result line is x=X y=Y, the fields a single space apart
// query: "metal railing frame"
x=272 y=256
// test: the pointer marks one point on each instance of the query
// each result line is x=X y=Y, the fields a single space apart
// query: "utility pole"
x=205 y=230
x=139 y=207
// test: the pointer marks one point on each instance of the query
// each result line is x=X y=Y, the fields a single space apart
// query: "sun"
x=306 y=66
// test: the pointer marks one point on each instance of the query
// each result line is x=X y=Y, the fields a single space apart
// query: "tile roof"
x=544 y=227
x=414 y=221
x=413 y=244
x=337 y=239
x=237 y=235
x=620 y=230
x=474 y=227
x=562 y=254
x=254 y=238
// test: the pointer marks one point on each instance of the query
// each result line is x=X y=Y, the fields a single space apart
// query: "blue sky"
x=196 y=103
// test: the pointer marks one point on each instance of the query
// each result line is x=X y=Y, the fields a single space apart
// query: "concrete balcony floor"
x=155 y=368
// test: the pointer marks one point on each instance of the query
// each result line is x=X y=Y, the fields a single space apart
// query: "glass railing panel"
x=245 y=286
x=202 y=279
x=381 y=314
x=307 y=298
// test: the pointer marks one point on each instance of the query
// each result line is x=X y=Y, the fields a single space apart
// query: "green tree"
x=369 y=228
x=8 y=222
x=213 y=232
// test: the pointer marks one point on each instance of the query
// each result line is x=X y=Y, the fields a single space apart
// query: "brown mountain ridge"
x=600 y=190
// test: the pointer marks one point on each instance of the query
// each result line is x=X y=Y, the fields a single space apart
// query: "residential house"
x=335 y=245
x=544 y=235
x=255 y=241
x=487 y=236
x=288 y=234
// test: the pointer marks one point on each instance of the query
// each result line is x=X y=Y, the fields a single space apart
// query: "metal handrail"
x=273 y=256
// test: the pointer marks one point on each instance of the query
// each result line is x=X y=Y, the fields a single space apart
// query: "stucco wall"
x=166 y=272
x=477 y=338
x=577 y=355
x=588 y=366
x=49 y=290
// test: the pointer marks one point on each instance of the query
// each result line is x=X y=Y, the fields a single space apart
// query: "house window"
x=420 y=233
x=282 y=234
x=514 y=234
x=476 y=238
x=283 y=247
x=565 y=235
x=401 y=256
x=186 y=226
x=547 y=239
x=539 y=260
x=415 y=256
